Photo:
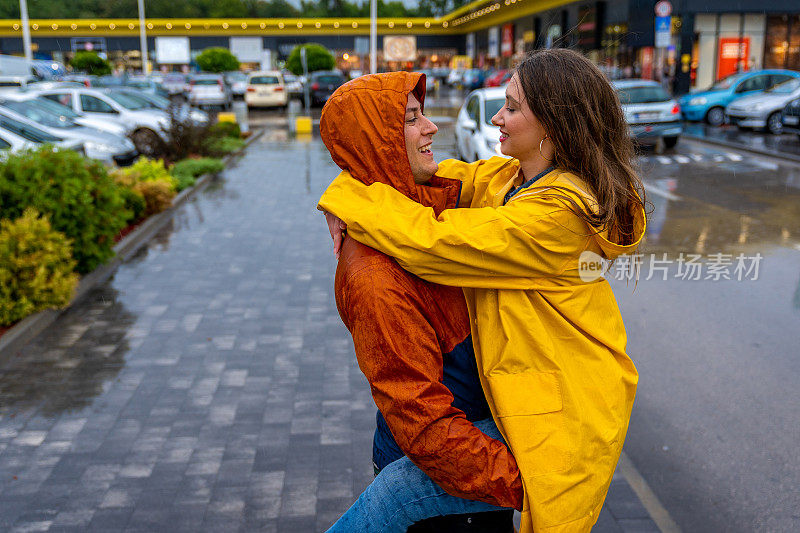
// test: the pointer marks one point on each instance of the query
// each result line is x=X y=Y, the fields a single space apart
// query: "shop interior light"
x=345 y=56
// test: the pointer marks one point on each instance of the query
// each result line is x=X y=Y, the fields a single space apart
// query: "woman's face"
x=520 y=131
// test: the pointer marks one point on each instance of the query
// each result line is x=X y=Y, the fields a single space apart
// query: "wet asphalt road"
x=715 y=425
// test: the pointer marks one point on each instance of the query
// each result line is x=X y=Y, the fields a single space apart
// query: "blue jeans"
x=402 y=494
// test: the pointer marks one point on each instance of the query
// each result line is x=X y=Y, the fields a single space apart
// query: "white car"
x=763 y=110
x=106 y=147
x=14 y=83
x=209 y=89
x=476 y=137
x=16 y=136
x=146 y=126
x=265 y=88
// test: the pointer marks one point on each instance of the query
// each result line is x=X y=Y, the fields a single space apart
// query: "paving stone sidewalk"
x=210 y=385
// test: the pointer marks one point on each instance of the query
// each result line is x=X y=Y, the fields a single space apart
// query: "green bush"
x=187 y=170
x=75 y=193
x=134 y=203
x=225 y=129
x=220 y=146
x=150 y=179
x=91 y=63
x=217 y=60
x=36 y=267
x=317 y=58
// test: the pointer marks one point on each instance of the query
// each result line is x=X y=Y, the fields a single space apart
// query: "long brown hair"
x=582 y=116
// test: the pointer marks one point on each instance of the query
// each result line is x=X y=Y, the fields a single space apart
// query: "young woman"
x=549 y=339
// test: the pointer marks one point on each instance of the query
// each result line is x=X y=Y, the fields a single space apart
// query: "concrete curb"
x=739 y=146
x=29 y=327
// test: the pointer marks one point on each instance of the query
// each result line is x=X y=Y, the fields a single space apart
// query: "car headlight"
x=100 y=147
x=698 y=100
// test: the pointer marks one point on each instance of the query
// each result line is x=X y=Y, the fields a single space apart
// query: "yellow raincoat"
x=550 y=347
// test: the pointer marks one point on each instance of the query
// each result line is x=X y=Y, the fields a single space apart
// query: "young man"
x=412 y=338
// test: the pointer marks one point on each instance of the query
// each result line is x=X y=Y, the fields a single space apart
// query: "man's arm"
x=398 y=352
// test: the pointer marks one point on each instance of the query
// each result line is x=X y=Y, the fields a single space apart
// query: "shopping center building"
x=702 y=42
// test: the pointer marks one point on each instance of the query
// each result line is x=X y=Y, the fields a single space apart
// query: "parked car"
x=237 y=81
x=476 y=136
x=207 y=90
x=265 y=88
x=293 y=85
x=145 y=125
x=175 y=83
x=104 y=146
x=763 y=110
x=322 y=84
x=106 y=124
x=498 y=78
x=709 y=105
x=430 y=80
x=454 y=78
x=791 y=117
x=651 y=113
x=86 y=80
x=20 y=135
x=147 y=84
x=473 y=79
x=155 y=101
x=15 y=83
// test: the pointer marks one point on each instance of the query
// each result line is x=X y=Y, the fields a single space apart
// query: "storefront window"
x=782 y=48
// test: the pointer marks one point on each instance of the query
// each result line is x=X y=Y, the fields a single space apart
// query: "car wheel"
x=715 y=116
x=774 y=123
x=147 y=142
x=670 y=142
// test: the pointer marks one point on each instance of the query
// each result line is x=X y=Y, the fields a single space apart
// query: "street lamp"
x=26 y=32
x=142 y=37
x=373 y=36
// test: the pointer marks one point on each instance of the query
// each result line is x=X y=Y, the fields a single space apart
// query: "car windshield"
x=40 y=114
x=236 y=76
x=725 y=83
x=127 y=102
x=785 y=87
x=330 y=79
x=53 y=107
x=27 y=131
x=205 y=81
x=139 y=98
x=264 y=80
x=648 y=94
x=492 y=106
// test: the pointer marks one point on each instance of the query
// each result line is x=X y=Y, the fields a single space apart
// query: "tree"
x=317 y=57
x=217 y=60
x=91 y=63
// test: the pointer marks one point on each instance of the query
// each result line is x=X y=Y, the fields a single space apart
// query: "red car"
x=499 y=78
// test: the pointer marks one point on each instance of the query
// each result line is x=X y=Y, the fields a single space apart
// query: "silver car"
x=183 y=110
x=650 y=112
x=237 y=81
x=106 y=147
x=763 y=110
x=209 y=89
x=16 y=135
x=175 y=82
x=145 y=125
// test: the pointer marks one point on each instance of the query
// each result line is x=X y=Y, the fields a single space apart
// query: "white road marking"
x=682 y=159
x=734 y=157
x=696 y=157
x=664 y=160
x=661 y=192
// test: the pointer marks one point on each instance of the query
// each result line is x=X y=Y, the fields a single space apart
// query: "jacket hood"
x=362 y=127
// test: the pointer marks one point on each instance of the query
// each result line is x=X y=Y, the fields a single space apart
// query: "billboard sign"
x=400 y=48
x=733 y=54
x=507 y=46
x=173 y=50
x=494 y=42
x=247 y=49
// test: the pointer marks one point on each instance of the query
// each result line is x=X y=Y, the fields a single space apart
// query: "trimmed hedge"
x=36 y=267
x=75 y=193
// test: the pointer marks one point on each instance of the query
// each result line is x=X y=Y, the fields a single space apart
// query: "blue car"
x=473 y=79
x=709 y=105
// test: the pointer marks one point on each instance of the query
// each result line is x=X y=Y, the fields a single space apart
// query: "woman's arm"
x=508 y=247
x=468 y=174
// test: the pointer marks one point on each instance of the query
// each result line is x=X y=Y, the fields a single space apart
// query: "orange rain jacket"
x=402 y=326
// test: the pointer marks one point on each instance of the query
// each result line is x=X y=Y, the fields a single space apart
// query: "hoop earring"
x=540 y=150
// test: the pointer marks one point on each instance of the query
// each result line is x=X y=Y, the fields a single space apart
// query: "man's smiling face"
x=419 y=132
